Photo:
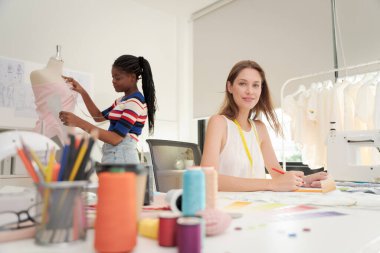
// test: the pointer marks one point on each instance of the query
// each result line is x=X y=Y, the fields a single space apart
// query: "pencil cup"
x=61 y=214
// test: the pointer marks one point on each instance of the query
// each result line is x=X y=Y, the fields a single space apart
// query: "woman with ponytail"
x=127 y=115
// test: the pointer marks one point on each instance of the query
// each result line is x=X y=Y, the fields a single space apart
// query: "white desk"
x=347 y=233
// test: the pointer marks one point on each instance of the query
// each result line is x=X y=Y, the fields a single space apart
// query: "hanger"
x=368 y=77
x=300 y=90
x=377 y=77
x=327 y=84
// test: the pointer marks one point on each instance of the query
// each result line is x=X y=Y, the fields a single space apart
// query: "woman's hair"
x=264 y=105
x=141 y=68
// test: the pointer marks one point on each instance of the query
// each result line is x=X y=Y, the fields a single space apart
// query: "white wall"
x=287 y=38
x=359 y=23
x=93 y=33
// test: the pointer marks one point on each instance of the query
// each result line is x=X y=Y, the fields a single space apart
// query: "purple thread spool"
x=189 y=235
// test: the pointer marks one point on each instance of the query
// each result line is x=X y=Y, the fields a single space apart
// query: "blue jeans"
x=124 y=152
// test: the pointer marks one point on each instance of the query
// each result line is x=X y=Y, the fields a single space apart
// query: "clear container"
x=61 y=216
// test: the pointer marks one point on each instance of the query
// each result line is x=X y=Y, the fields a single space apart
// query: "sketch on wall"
x=16 y=94
x=84 y=79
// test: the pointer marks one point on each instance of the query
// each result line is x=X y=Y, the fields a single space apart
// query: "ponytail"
x=148 y=90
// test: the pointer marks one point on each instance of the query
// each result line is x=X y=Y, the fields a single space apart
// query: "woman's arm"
x=267 y=150
x=238 y=184
x=91 y=107
x=215 y=139
x=290 y=181
x=70 y=119
x=314 y=180
x=271 y=161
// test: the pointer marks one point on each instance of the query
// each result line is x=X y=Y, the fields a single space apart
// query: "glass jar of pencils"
x=61 y=216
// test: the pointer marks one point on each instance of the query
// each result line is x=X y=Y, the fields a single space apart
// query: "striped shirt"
x=127 y=115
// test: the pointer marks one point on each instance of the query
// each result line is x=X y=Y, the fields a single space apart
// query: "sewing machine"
x=354 y=155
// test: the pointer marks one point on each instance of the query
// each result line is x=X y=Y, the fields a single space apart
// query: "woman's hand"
x=69 y=119
x=75 y=86
x=289 y=181
x=314 y=180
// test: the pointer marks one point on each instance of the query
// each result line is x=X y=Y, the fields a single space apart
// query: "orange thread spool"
x=116 y=218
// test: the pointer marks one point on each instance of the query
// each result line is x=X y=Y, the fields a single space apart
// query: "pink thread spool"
x=211 y=186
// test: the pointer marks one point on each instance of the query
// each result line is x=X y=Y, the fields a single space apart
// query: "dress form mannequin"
x=52 y=94
x=51 y=73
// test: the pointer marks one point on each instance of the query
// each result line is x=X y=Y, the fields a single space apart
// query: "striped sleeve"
x=106 y=112
x=133 y=110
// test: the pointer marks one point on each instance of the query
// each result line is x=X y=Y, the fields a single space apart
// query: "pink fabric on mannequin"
x=48 y=122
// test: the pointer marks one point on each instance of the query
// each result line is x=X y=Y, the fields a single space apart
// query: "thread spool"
x=116 y=222
x=167 y=229
x=193 y=197
x=141 y=179
x=211 y=186
x=174 y=199
x=148 y=227
x=189 y=235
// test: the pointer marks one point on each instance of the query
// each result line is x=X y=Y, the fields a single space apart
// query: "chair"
x=169 y=160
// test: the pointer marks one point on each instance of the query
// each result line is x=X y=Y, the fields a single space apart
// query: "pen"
x=279 y=171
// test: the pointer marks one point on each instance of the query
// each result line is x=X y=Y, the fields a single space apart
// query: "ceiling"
x=177 y=7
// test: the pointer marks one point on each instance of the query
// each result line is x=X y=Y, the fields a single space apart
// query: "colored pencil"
x=78 y=159
x=279 y=171
x=31 y=155
x=28 y=165
x=70 y=157
x=37 y=161
x=81 y=175
x=64 y=158
x=50 y=165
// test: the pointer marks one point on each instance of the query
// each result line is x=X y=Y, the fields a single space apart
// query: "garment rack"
x=310 y=76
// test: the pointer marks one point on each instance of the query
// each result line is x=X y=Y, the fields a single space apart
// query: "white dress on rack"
x=365 y=105
x=315 y=113
x=350 y=95
x=338 y=103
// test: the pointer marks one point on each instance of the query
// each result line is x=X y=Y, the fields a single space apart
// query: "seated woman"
x=238 y=145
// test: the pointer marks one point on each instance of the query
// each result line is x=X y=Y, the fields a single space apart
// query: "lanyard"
x=245 y=144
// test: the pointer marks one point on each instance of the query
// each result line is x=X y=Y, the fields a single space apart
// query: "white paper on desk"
x=334 y=198
x=366 y=200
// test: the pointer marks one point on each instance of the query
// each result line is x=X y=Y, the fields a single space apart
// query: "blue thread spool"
x=193 y=196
